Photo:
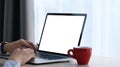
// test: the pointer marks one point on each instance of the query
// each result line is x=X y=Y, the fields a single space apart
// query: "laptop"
x=61 y=32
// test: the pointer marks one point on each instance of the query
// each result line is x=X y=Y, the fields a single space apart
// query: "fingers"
x=22 y=55
x=27 y=44
x=30 y=53
x=28 y=50
x=33 y=46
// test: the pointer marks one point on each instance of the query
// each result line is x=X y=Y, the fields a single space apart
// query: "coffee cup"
x=81 y=54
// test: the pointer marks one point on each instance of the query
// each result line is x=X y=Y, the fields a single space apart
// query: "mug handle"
x=69 y=54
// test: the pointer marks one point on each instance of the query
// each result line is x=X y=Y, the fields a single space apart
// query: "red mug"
x=81 y=54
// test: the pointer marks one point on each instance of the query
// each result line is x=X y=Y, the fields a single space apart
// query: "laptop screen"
x=61 y=32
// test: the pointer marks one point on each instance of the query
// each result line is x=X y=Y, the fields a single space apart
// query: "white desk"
x=95 y=61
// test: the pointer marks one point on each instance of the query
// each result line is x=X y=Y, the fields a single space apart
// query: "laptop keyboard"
x=4 y=56
x=49 y=56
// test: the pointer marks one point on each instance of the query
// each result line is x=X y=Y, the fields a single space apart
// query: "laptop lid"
x=61 y=31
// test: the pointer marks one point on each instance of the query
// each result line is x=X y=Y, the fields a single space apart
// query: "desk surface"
x=95 y=61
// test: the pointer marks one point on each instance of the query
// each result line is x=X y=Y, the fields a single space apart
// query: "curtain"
x=18 y=20
x=1 y=19
x=27 y=20
x=106 y=34
x=102 y=25
x=11 y=28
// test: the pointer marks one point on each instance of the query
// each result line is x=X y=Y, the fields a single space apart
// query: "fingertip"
x=29 y=45
x=33 y=46
x=18 y=49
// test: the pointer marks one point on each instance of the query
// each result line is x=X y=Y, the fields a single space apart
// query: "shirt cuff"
x=11 y=63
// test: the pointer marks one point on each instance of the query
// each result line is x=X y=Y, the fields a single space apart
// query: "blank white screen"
x=61 y=33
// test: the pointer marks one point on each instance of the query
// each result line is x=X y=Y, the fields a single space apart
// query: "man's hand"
x=10 y=47
x=22 y=55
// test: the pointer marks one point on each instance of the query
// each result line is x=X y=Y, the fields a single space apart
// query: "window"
x=102 y=25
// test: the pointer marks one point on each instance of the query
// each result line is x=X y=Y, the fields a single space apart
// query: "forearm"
x=9 y=63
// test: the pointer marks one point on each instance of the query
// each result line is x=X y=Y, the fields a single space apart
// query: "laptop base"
x=46 y=58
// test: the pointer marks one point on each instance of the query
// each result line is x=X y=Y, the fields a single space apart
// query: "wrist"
x=3 y=46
